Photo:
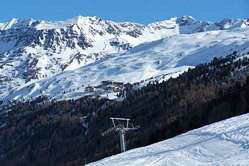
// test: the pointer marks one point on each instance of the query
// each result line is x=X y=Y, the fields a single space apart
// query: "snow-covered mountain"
x=222 y=143
x=169 y=57
x=61 y=59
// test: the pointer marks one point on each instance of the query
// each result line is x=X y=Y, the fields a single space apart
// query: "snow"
x=169 y=56
x=166 y=48
x=19 y=61
x=9 y=24
x=222 y=143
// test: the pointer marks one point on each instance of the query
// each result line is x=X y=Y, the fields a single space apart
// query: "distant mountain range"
x=74 y=58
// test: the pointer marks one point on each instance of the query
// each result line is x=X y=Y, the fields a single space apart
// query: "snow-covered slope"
x=32 y=50
x=224 y=143
x=169 y=56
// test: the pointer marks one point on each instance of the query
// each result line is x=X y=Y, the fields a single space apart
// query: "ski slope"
x=224 y=143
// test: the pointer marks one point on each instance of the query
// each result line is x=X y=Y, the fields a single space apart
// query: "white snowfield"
x=224 y=143
x=61 y=59
x=172 y=56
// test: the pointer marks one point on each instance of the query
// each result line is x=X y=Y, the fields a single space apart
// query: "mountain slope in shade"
x=169 y=56
x=32 y=50
x=222 y=143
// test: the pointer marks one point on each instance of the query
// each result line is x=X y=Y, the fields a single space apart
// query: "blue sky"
x=142 y=11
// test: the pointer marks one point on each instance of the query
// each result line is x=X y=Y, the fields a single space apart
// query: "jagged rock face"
x=47 y=39
x=31 y=50
x=81 y=33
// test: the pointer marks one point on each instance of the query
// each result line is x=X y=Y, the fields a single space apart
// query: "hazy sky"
x=142 y=11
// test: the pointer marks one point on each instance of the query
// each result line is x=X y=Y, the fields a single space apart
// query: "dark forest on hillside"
x=69 y=132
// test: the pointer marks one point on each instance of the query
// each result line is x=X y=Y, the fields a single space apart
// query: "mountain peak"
x=17 y=23
x=83 y=19
x=185 y=20
x=49 y=47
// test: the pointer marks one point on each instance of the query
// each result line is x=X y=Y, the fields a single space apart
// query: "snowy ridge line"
x=169 y=55
x=79 y=20
x=42 y=58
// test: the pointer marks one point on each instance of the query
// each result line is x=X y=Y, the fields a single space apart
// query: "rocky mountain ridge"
x=32 y=50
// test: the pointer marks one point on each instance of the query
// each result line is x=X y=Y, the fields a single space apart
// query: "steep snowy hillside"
x=32 y=50
x=169 y=57
x=222 y=143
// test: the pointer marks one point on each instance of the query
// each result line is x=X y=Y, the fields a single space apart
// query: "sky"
x=141 y=11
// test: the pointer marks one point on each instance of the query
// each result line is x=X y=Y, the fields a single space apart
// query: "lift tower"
x=121 y=125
